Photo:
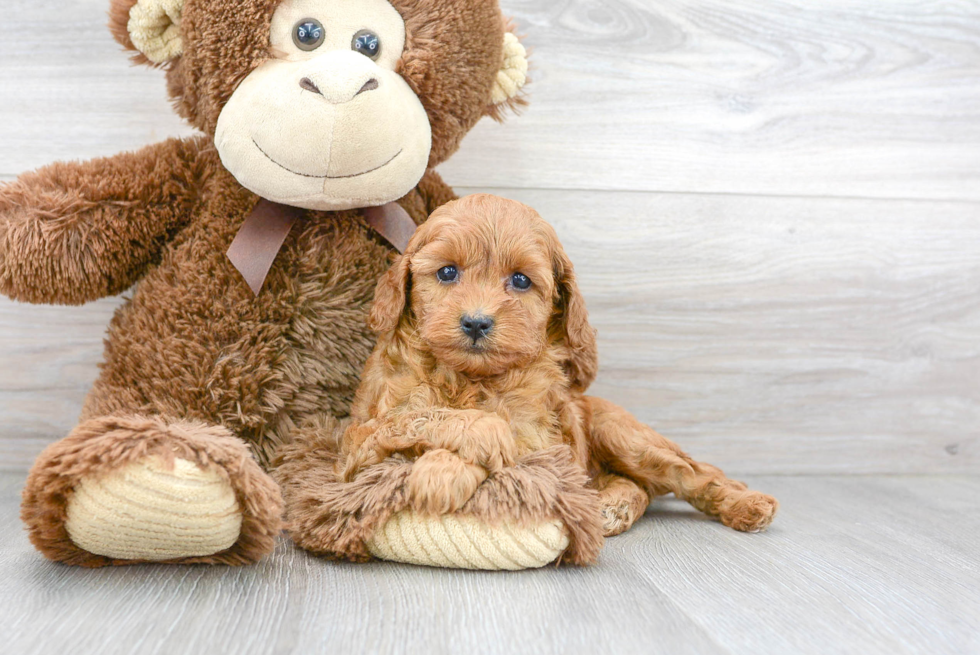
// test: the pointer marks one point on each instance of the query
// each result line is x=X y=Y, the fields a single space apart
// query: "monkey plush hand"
x=254 y=248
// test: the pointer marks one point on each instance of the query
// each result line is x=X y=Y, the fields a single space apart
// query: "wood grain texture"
x=50 y=359
x=852 y=565
x=766 y=335
x=69 y=91
x=837 y=98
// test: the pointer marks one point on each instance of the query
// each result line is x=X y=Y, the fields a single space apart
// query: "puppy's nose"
x=476 y=327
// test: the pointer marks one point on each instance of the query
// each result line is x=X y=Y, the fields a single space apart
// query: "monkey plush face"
x=329 y=104
x=327 y=123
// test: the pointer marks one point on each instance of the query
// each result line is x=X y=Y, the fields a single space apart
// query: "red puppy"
x=485 y=352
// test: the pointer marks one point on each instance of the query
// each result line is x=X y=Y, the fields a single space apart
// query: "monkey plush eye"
x=308 y=34
x=447 y=274
x=367 y=43
x=520 y=281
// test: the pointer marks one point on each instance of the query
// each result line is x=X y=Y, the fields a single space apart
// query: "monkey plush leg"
x=622 y=502
x=623 y=444
x=126 y=488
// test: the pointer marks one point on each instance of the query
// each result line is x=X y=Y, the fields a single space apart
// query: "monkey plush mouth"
x=325 y=177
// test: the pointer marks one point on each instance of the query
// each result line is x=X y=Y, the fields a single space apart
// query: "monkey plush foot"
x=147 y=510
x=127 y=489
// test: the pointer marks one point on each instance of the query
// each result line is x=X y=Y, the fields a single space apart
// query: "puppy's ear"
x=573 y=325
x=390 y=296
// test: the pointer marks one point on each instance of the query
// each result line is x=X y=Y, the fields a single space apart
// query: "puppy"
x=484 y=354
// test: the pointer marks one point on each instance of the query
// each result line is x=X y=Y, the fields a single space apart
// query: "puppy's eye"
x=520 y=281
x=447 y=274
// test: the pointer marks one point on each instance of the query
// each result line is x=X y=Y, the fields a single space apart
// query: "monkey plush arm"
x=75 y=232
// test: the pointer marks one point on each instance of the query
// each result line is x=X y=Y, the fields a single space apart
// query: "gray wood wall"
x=774 y=208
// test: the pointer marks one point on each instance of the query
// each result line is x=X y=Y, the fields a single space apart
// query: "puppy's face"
x=490 y=289
x=483 y=289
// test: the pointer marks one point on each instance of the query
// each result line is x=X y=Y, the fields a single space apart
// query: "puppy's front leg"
x=454 y=449
x=371 y=442
x=441 y=482
x=626 y=446
x=464 y=446
x=478 y=437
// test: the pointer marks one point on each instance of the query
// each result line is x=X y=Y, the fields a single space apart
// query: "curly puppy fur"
x=468 y=404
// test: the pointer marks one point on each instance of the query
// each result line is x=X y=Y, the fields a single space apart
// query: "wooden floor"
x=774 y=211
x=858 y=564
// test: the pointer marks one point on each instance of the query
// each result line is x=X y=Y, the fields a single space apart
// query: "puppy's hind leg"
x=621 y=501
x=622 y=444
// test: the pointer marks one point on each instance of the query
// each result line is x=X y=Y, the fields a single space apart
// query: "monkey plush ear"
x=151 y=27
x=511 y=77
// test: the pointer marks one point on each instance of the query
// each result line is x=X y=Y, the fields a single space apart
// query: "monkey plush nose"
x=476 y=327
x=308 y=85
x=339 y=76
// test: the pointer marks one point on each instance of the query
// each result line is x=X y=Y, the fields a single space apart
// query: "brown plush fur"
x=193 y=343
x=468 y=407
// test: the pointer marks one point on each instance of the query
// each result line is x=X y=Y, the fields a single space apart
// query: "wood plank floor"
x=853 y=564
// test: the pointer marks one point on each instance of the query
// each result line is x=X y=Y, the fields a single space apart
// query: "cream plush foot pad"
x=463 y=542
x=143 y=511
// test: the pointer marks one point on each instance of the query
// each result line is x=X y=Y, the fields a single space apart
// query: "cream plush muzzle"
x=337 y=149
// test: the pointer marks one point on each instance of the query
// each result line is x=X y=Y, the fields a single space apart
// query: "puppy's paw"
x=750 y=511
x=616 y=518
x=622 y=502
x=478 y=437
x=489 y=442
x=441 y=482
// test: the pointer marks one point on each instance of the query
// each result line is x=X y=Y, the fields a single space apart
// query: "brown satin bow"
x=265 y=230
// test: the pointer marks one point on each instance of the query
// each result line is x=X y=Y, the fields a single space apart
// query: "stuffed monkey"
x=254 y=249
